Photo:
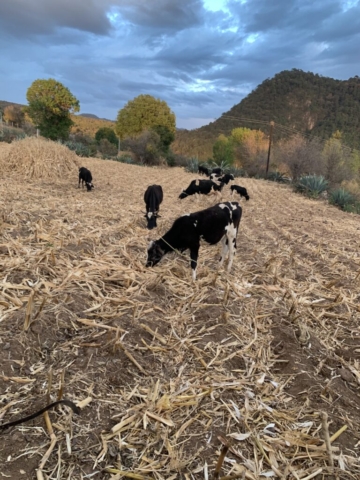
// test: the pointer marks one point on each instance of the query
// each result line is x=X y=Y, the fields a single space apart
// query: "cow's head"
x=155 y=254
x=89 y=186
x=182 y=195
x=151 y=219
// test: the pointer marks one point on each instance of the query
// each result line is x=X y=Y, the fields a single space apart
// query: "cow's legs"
x=194 y=253
x=224 y=250
x=231 y=237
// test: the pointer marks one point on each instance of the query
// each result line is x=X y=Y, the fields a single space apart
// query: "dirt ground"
x=251 y=359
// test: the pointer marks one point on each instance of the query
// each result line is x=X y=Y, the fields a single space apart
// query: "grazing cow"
x=85 y=176
x=153 y=197
x=201 y=186
x=240 y=190
x=220 y=222
x=215 y=177
x=217 y=170
x=203 y=170
x=226 y=178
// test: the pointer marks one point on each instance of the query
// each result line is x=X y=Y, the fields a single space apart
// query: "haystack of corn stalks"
x=176 y=379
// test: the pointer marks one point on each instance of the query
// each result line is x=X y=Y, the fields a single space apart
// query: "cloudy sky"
x=200 y=56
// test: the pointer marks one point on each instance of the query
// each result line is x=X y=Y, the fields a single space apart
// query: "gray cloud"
x=200 y=62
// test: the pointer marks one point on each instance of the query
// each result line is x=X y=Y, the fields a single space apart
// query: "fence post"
x=269 y=151
x=119 y=148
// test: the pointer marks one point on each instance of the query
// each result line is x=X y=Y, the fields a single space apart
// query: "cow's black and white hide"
x=228 y=177
x=153 y=197
x=215 y=177
x=201 y=186
x=220 y=222
x=240 y=190
x=85 y=177
x=203 y=170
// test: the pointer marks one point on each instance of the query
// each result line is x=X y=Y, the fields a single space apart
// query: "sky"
x=201 y=56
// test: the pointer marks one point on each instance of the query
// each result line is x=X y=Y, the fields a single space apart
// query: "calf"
x=203 y=170
x=240 y=190
x=85 y=176
x=201 y=186
x=153 y=197
x=226 y=178
x=220 y=222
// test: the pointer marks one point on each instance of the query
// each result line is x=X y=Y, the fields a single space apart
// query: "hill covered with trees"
x=294 y=100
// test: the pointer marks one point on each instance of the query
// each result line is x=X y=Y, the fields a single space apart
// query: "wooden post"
x=269 y=151
x=119 y=148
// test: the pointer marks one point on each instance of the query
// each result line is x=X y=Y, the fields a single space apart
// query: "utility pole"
x=119 y=148
x=269 y=151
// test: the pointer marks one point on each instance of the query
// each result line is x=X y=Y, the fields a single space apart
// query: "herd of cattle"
x=219 y=222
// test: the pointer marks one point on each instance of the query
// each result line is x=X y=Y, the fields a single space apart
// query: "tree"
x=223 y=150
x=142 y=113
x=14 y=114
x=50 y=105
x=146 y=147
x=166 y=137
x=107 y=133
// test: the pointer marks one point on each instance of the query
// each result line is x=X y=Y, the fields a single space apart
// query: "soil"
x=274 y=342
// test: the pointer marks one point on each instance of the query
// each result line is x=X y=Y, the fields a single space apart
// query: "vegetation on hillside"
x=295 y=101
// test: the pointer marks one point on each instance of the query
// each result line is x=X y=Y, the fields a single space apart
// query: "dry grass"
x=167 y=370
x=37 y=158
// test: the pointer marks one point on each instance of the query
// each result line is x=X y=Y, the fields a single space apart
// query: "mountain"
x=294 y=100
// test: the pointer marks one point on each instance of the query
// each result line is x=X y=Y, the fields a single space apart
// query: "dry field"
x=264 y=360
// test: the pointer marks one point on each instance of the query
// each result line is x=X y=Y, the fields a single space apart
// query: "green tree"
x=50 y=106
x=142 y=113
x=108 y=133
x=166 y=137
x=223 y=150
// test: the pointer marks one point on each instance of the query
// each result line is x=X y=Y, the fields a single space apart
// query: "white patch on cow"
x=224 y=250
x=149 y=215
x=195 y=223
x=151 y=244
x=231 y=237
x=222 y=205
x=186 y=215
x=197 y=182
x=233 y=206
x=194 y=274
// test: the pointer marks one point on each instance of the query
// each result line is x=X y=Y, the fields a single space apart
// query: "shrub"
x=80 y=149
x=278 y=177
x=311 y=185
x=237 y=172
x=341 y=198
x=107 y=148
x=125 y=159
x=192 y=165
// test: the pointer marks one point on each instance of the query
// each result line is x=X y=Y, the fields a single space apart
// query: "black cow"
x=203 y=170
x=85 y=176
x=240 y=190
x=201 y=186
x=153 y=197
x=217 y=170
x=220 y=222
x=226 y=178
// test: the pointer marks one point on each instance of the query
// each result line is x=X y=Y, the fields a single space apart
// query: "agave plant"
x=192 y=165
x=311 y=185
x=225 y=166
x=278 y=177
x=342 y=198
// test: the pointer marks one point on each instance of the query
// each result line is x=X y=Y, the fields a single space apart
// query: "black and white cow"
x=153 y=197
x=85 y=176
x=228 y=177
x=220 y=222
x=215 y=177
x=201 y=186
x=240 y=190
x=203 y=170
